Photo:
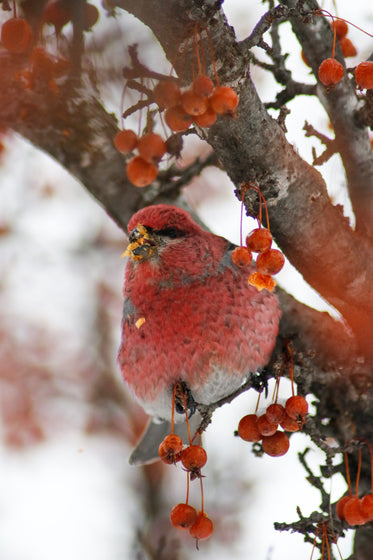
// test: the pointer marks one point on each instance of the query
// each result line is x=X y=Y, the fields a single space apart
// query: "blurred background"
x=67 y=421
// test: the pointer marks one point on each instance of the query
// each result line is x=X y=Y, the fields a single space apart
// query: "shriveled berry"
x=261 y=281
x=265 y=427
x=248 y=428
x=367 y=506
x=275 y=413
x=296 y=407
x=341 y=506
x=170 y=449
x=177 y=119
x=16 y=35
x=202 y=528
x=203 y=85
x=270 y=262
x=352 y=511
x=347 y=47
x=276 y=444
x=241 y=256
x=330 y=72
x=193 y=104
x=208 y=118
x=125 y=141
x=183 y=516
x=167 y=94
x=259 y=240
x=364 y=75
x=140 y=172
x=224 y=100
x=341 y=28
x=193 y=457
x=151 y=147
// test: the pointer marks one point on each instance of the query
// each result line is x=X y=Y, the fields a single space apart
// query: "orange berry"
x=170 y=449
x=167 y=94
x=364 y=75
x=91 y=16
x=203 y=85
x=193 y=458
x=248 y=428
x=241 y=256
x=261 y=281
x=177 y=119
x=208 y=118
x=193 y=104
x=270 y=262
x=352 y=511
x=183 y=516
x=56 y=13
x=347 y=47
x=341 y=28
x=296 y=407
x=330 y=72
x=303 y=57
x=224 y=100
x=125 y=141
x=265 y=427
x=367 y=506
x=276 y=444
x=140 y=172
x=16 y=35
x=151 y=147
x=289 y=424
x=259 y=240
x=275 y=413
x=202 y=528
x=340 y=507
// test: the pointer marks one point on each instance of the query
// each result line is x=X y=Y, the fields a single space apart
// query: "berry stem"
x=14 y=9
x=196 y=42
x=173 y=408
x=186 y=414
x=187 y=492
x=212 y=57
x=322 y=12
x=241 y=220
x=325 y=536
x=348 y=478
x=334 y=39
x=358 y=473
x=202 y=501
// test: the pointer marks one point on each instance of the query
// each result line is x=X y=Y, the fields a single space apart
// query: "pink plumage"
x=189 y=313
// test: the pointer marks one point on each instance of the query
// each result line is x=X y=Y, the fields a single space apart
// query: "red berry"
x=224 y=100
x=341 y=506
x=140 y=172
x=261 y=281
x=241 y=256
x=166 y=94
x=193 y=104
x=367 y=506
x=193 y=458
x=170 y=449
x=364 y=75
x=16 y=35
x=202 y=528
x=151 y=147
x=91 y=16
x=341 y=28
x=259 y=240
x=183 y=516
x=270 y=262
x=56 y=13
x=177 y=119
x=290 y=425
x=352 y=511
x=347 y=47
x=208 y=118
x=296 y=407
x=276 y=444
x=248 y=428
x=203 y=85
x=265 y=427
x=125 y=141
x=330 y=72
x=275 y=413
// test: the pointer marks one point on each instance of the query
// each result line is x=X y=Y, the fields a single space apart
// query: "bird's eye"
x=171 y=232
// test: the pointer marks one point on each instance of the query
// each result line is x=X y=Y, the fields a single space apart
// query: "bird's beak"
x=142 y=244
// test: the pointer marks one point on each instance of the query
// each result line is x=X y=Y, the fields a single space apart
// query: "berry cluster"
x=264 y=428
x=351 y=508
x=192 y=457
x=141 y=169
x=268 y=262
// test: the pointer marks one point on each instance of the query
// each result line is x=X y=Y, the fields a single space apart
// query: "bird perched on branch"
x=189 y=316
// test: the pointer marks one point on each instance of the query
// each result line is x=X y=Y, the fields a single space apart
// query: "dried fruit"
x=140 y=172
x=276 y=444
x=170 y=449
x=364 y=75
x=193 y=104
x=167 y=94
x=16 y=35
x=224 y=100
x=270 y=262
x=261 y=281
x=241 y=257
x=259 y=240
x=265 y=427
x=125 y=141
x=193 y=458
x=183 y=516
x=296 y=407
x=208 y=118
x=275 y=413
x=177 y=119
x=248 y=428
x=330 y=72
x=347 y=47
x=340 y=27
x=203 y=85
x=202 y=528
x=151 y=147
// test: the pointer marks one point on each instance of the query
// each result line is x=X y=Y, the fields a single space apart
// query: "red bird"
x=189 y=315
